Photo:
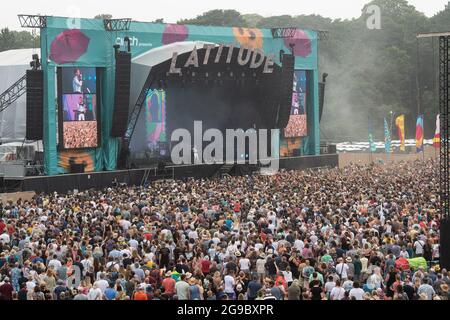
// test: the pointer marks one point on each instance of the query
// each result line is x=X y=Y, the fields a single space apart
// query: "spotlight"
x=35 y=63
x=324 y=77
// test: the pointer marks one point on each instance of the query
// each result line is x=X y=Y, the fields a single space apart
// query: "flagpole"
x=370 y=145
x=390 y=134
x=423 y=143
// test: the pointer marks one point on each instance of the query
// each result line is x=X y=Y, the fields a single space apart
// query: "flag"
x=419 y=133
x=372 y=145
x=400 y=123
x=387 y=137
x=437 y=134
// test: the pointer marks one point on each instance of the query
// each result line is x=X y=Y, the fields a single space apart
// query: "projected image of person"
x=77 y=81
x=297 y=126
x=295 y=104
x=81 y=109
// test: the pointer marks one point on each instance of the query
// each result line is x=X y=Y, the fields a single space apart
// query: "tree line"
x=371 y=72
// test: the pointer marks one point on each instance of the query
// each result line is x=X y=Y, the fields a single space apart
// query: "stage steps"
x=13 y=93
x=146 y=175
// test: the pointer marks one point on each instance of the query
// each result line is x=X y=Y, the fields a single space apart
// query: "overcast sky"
x=173 y=10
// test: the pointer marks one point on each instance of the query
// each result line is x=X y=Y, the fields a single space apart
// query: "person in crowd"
x=329 y=234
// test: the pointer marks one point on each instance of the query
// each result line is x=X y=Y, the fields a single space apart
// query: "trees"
x=230 y=18
x=103 y=16
x=17 y=40
x=371 y=72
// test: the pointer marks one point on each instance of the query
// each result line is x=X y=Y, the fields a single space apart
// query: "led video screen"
x=297 y=125
x=78 y=110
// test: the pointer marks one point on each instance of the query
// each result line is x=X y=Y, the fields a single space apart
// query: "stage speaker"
x=332 y=149
x=35 y=105
x=122 y=94
x=286 y=83
x=296 y=153
x=321 y=99
x=76 y=168
x=444 y=254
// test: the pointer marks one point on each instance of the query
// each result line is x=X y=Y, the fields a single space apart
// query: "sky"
x=173 y=10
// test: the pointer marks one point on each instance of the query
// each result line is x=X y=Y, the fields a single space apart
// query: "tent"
x=13 y=65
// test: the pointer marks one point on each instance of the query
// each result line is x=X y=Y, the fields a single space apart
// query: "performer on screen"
x=195 y=151
x=81 y=110
x=77 y=81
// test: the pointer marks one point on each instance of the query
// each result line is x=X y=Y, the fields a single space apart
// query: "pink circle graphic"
x=302 y=43
x=68 y=46
x=174 y=33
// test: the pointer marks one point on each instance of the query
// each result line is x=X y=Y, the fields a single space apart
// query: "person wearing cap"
x=341 y=269
x=195 y=290
x=444 y=291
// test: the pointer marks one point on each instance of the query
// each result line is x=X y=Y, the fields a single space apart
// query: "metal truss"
x=444 y=163
x=13 y=93
x=283 y=32
x=117 y=24
x=322 y=35
x=278 y=33
x=32 y=21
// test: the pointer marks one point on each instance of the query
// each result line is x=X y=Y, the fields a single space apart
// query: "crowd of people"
x=328 y=234
x=80 y=134
x=296 y=127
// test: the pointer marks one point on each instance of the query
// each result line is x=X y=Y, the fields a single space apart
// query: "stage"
x=98 y=180
x=127 y=95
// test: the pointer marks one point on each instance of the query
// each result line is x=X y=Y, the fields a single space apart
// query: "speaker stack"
x=122 y=94
x=35 y=105
x=287 y=80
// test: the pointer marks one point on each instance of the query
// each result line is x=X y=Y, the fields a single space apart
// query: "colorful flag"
x=400 y=123
x=419 y=133
x=372 y=145
x=437 y=135
x=387 y=137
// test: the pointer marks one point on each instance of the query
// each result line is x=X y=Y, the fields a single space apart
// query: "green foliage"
x=371 y=72
x=103 y=16
x=17 y=40
x=218 y=18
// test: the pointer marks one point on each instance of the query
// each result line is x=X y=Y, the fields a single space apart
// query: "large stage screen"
x=78 y=108
x=297 y=125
